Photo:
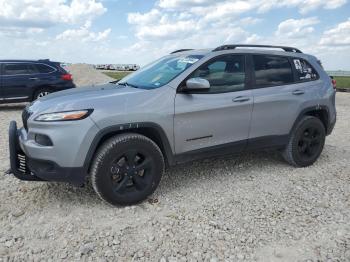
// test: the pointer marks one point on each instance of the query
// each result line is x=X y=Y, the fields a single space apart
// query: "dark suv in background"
x=27 y=80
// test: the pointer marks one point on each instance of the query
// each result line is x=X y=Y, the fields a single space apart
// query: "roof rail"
x=285 y=48
x=180 y=50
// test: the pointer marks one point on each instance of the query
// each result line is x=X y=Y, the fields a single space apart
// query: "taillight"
x=334 y=83
x=67 y=77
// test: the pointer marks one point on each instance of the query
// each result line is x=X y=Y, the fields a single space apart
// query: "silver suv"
x=187 y=105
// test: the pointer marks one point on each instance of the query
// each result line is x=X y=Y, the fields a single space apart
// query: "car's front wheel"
x=306 y=142
x=126 y=169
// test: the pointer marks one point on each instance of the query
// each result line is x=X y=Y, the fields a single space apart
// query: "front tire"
x=306 y=142
x=126 y=169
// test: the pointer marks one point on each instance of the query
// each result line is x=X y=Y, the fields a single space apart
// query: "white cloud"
x=205 y=24
x=48 y=12
x=164 y=24
x=178 y=19
x=24 y=18
x=304 y=6
x=337 y=36
x=83 y=34
x=179 y=4
x=227 y=9
x=56 y=29
x=150 y=17
x=167 y=31
x=19 y=32
x=248 y=21
x=296 y=28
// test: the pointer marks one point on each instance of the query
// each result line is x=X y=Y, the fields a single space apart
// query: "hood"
x=82 y=98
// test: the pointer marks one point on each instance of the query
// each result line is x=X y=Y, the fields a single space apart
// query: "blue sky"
x=135 y=31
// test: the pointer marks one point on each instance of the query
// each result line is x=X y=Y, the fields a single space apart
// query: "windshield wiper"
x=127 y=84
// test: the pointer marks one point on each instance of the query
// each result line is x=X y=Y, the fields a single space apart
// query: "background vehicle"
x=27 y=80
x=187 y=105
x=118 y=67
x=132 y=67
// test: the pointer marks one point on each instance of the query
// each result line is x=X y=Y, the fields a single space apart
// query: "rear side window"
x=17 y=69
x=272 y=70
x=305 y=72
x=44 y=69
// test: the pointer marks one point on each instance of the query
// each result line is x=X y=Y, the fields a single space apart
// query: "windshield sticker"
x=188 y=60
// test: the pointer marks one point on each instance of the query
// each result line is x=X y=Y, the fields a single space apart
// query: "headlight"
x=64 y=116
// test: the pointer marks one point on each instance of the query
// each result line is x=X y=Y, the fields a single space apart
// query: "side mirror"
x=197 y=84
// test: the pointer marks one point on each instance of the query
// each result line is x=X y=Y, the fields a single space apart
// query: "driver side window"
x=225 y=73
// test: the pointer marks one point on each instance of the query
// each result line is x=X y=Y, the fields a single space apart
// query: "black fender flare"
x=307 y=110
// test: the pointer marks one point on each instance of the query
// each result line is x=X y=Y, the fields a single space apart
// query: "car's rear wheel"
x=41 y=93
x=126 y=169
x=306 y=142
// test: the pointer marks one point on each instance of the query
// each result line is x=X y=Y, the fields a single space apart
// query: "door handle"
x=298 y=92
x=33 y=78
x=240 y=99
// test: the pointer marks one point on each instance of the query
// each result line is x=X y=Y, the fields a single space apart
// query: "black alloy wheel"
x=131 y=172
x=309 y=142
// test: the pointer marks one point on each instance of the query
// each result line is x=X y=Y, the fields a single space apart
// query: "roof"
x=26 y=61
x=250 y=49
x=284 y=48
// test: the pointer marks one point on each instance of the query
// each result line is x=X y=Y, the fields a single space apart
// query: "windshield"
x=160 y=72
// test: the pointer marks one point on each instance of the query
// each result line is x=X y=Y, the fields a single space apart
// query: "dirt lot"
x=248 y=207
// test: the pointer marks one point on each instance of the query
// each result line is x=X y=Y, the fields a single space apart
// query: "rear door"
x=217 y=117
x=17 y=81
x=45 y=75
x=277 y=99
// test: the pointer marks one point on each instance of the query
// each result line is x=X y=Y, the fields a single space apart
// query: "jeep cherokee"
x=187 y=105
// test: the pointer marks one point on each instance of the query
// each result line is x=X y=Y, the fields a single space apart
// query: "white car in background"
x=118 y=67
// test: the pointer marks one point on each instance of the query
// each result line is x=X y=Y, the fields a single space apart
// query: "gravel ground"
x=84 y=75
x=249 y=207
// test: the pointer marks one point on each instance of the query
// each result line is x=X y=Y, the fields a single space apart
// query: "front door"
x=217 y=117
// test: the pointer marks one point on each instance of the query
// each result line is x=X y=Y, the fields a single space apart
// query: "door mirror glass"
x=197 y=83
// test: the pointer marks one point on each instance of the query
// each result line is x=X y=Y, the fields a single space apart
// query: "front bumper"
x=18 y=162
x=29 y=169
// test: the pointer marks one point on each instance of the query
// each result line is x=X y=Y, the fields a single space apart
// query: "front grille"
x=25 y=116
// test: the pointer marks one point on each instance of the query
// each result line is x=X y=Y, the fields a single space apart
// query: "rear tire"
x=126 y=169
x=41 y=93
x=306 y=142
